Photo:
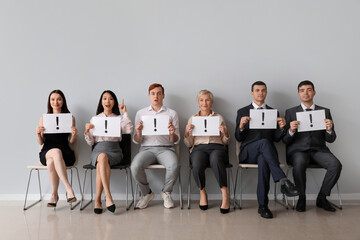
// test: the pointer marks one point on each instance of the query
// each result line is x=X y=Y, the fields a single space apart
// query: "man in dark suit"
x=258 y=147
x=303 y=148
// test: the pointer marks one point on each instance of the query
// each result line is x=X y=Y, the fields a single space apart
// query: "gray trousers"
x=151 y=155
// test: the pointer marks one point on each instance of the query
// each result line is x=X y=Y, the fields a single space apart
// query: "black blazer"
x=304 y=141
x=248 y=136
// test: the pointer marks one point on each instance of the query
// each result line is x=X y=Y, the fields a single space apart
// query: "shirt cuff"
x=291 y=133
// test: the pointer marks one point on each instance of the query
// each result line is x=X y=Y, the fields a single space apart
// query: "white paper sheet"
x=206 y=126
x=311 y=120
x=263 y=118
x=106 y=126
x=57 y=122
x=155 y=125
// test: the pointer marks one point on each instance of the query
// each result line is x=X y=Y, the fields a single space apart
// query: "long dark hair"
x=115 y=108
x=64 y=108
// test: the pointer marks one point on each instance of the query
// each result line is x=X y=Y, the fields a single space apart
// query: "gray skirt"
x=111 y=149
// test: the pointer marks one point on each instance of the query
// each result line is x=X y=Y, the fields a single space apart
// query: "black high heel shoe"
x=98 y=210
x=111 y=208
x=204 y=207
x=50 y=204
x=71 y=200
x=225 y=210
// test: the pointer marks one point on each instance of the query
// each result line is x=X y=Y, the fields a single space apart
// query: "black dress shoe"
x=98 y=210
x=265 y=212
x=323 y=203
x=289 y=189
x=111 y=208
x=301 y=204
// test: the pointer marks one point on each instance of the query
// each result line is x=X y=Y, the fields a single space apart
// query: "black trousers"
x=263 y=153
x=301 y=160
x=213 y=155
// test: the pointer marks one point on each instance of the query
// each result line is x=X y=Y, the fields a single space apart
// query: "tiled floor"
x=155 y=222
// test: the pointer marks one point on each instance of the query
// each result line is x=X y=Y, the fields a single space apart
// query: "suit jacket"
x=248 y=136
x=304 y=141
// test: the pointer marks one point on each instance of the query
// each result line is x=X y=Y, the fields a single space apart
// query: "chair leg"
x=81 y=206
x=72 y=207
x=189 y=188
x=27 y=190
x=241 y=188
x=135 y=195
x=180 y=192
x=132 y=192
x=285 y=205
x=339 y=198
x=236 y=182
x=230 y=183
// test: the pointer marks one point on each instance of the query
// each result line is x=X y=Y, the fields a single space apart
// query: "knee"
x=265 y=142
x=336 y=166
x=55 y=153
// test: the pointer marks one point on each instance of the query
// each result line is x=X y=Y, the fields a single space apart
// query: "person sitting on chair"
x=258 y=147
x=156 y=149
x=303 y=148
x=209 y=151
x=106 y=151
x=56 y=153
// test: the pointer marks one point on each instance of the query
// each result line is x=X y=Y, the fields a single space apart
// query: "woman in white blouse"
x=106 y=150
x=209 y=151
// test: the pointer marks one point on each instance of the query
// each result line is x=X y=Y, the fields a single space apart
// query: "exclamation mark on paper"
x=57 y=123
x=263 y=118
x=311 y=125
x=205 y=123
x=155 y=125
x=106 y=126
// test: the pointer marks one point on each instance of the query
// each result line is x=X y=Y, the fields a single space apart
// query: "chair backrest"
x=237 y=150
x=125 y=145
x=75 y=147
x=177 y=150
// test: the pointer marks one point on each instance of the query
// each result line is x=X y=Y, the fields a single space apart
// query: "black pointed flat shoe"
x=111 y=208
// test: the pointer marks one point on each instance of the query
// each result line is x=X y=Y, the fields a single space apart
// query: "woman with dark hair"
x=209 y=151
x=106 y=151
x=56 y=153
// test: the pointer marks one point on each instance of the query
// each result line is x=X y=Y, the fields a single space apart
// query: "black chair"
x=229 y=176
x=125 y=145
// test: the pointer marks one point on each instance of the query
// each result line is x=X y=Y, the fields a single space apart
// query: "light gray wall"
x=86 y=46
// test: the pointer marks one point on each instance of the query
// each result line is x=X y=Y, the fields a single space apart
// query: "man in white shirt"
x=303 y=148
x=156 y=149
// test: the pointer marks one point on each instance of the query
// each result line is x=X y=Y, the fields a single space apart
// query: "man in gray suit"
x=303 y=148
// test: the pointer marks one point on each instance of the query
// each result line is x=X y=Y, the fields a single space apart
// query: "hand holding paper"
x=57 y=123
x=311 y=121
x=263 y=118
x=206 y=126
x=155 y=125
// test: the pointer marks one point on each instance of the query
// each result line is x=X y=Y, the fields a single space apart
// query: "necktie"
x=260 y=108
x=308 y=109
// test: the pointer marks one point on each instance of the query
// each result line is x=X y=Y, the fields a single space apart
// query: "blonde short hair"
x=205 y=92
